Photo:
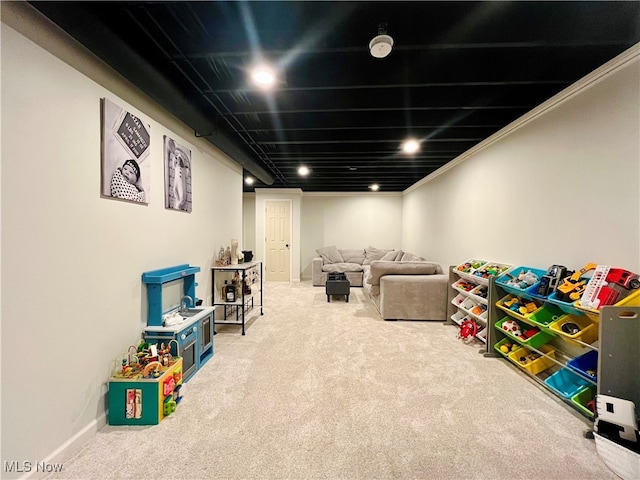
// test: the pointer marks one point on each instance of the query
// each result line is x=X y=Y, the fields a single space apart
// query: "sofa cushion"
x=380 y=268
x=342 y=267
x=352 y=255
x=392 y=256
x=330 y=255
x=373 y=253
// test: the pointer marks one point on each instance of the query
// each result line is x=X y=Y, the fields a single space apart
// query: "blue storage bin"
x=585 y=363
x=566 y=383
x=503 y=280
x=567 y=307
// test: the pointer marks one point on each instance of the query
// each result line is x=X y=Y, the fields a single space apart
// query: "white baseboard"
x=68 y=448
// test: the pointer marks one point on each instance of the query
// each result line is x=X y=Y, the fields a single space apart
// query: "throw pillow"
x=410 y=257
x=352 y=255
x=373 y=253
x=393 y=256
x=329 y=255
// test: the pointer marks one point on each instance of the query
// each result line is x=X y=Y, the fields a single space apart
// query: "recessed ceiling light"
x=263 y=76
x=410 y=146
x=375 y=187
x=303 y=171
x=249 y=180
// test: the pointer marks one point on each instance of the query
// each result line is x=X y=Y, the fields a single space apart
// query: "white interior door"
x=278 y=240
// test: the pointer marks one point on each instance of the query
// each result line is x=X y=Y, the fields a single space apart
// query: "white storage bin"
x=623 y=462
x=468 y=304
x=464 y=285
x=458 y=299
x=459 y=317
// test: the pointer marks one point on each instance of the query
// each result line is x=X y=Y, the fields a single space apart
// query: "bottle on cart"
x=229 y=292
x=236 y=283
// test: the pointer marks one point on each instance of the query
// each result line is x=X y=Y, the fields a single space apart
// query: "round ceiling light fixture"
x=303 y=171
x=410 y=146
x=263 y=76
x=380 y=46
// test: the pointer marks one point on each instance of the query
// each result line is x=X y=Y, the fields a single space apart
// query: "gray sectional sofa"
x=401 y=285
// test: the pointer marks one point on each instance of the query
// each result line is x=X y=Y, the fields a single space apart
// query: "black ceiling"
x=458 y=72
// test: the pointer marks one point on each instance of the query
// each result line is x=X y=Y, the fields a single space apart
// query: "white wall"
x=563 y=187
x=72 y=296
x=349 y=221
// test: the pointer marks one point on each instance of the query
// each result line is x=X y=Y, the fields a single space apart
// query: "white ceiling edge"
x=320 y=194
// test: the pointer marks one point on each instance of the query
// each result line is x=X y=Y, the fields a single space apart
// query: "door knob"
x=286 y=245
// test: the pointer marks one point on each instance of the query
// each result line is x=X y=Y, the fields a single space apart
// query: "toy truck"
x=624 y=278
x=549 y=281
x=572 y=286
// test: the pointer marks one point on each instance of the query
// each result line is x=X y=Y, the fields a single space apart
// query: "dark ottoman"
x=337 y=284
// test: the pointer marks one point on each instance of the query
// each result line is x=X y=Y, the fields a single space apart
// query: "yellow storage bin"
x=508 y=344
x=632 y=300
x=521 y=357
x=587 y=331
x=518 y=307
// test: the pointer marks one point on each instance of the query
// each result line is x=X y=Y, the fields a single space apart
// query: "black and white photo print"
x=125 y=154
x=177 y=176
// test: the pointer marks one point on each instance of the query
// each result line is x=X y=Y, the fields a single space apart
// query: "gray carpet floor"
x=319 y=390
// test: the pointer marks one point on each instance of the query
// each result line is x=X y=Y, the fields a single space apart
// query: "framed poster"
x=125 y=154
x=177 y=176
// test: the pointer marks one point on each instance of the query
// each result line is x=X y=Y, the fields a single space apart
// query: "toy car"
x=550 y=280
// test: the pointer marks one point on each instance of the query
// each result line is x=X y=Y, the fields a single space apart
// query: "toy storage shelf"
x=564 y=362
x=469 y=296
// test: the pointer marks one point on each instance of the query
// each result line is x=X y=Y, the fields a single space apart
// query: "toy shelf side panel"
x=451 y=294
x=619 y=360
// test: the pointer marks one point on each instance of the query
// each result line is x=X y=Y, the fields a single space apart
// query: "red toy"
x=468 y=329
x=608 y=286
x=624 y=278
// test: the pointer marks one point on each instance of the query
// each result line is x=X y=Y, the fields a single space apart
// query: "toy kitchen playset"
x=177 y=341
x=191 y=327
